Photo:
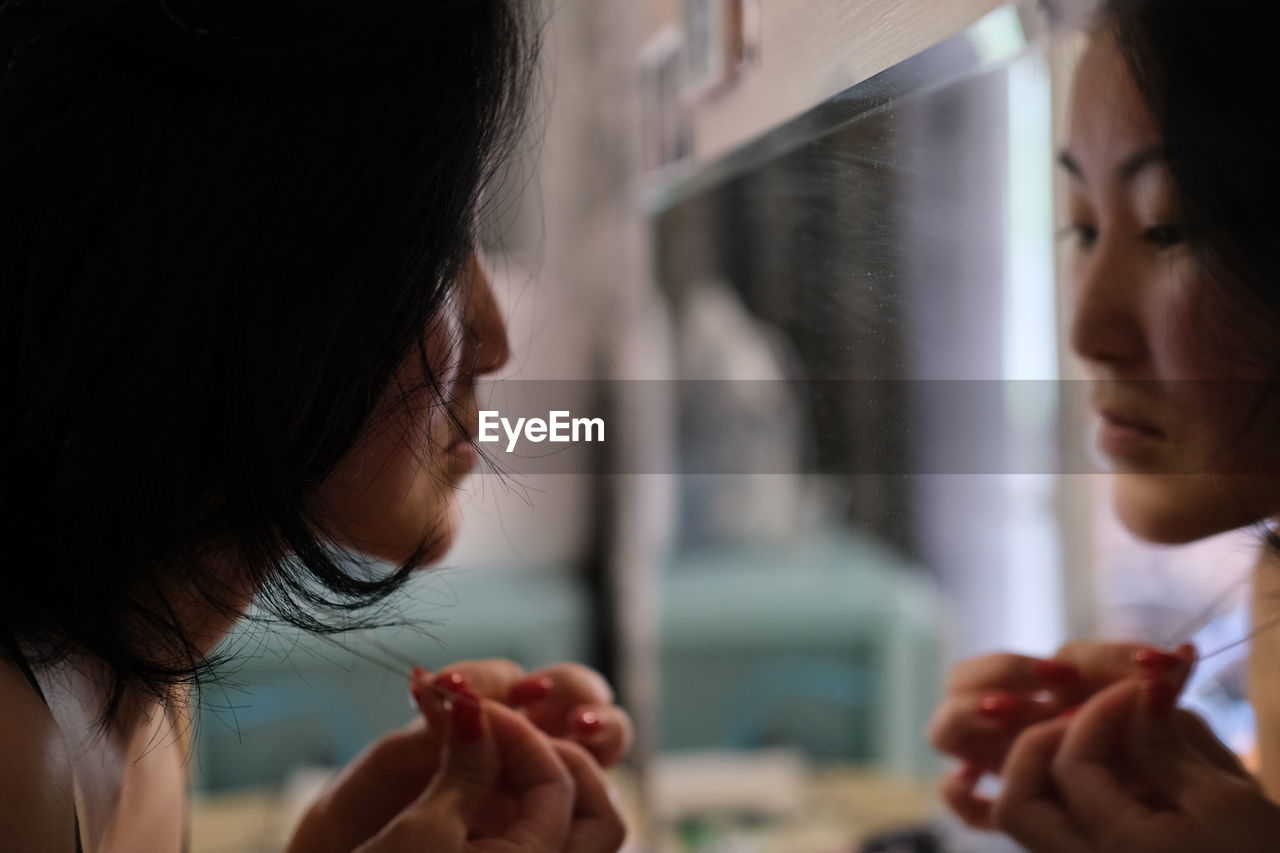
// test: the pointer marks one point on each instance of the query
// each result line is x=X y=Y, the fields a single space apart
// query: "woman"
x=1173 y=186
x=243 y=317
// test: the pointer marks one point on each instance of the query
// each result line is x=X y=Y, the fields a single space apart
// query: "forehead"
x=1109 y=118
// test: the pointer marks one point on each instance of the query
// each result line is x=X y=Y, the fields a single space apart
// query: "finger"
x=468 y=769
x=535 y=775
x=1029 y=807
x=1102 y=664
x=489 y=679
x=404 y=758
x=565 y=700
x=597 y=826
x=1005 y=671
x=468 y=772
x=982 y=726
x=1197 y=734
x=605 y=731
x=550 y=694
x=1091 y=768
x=1183 y=774
x=959 y=791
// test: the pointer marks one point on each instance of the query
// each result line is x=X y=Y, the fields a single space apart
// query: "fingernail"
x=970 y=770
x=420 y=694
x=1155 y=663
x=1159 y=697
x=1069 y=713
x=588 y=723
x=454 y=682
x=417 y=677
x=998 y=706
x=1056 y=672
x=1188 y=651
x=529 y=691
x=467 y=717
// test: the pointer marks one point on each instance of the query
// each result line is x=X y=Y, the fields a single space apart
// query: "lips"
x=1130 y=422
x=1128 y=436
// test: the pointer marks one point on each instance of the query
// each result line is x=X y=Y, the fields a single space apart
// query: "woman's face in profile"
x=398 y=486
x=1185 y=417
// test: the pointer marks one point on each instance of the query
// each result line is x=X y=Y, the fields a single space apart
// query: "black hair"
x=1206 y=71
x=224 y=227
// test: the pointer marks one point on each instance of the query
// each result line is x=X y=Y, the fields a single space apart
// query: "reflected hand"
x=1129 y=772
x=991 y=700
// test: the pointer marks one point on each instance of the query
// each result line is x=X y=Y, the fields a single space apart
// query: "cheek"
x=398 y=489
x=1217 y=361
x=1202 y=330
x=394 y=492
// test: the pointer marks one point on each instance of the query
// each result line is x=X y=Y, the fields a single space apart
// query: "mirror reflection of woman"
x=244 y=314
x=1173 y=185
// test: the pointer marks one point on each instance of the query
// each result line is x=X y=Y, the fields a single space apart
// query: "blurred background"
x=801 y=256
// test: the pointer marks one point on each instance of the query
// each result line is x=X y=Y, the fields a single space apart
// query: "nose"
x=487 y=347
x=1106 y=327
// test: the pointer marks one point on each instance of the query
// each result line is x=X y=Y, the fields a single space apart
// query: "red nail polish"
x=970 y=770
x=1154 y=662
x=454 y=682
x=421 y=695
x=588 y=723
x=1055 y=672
x=529 y=691
x=1160 y=697
x=467 y=717
x=998 y=706
x=1069 y=713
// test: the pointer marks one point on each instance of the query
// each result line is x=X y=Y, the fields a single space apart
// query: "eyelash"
x=1164 y=236
x=1084 y=235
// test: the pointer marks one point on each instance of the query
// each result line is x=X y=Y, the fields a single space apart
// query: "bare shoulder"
x=37 y=804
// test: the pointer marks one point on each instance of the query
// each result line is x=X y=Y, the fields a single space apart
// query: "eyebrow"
x=1129 y=168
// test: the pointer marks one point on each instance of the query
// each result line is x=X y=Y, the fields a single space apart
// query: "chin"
x=439 y=537
x=398 y=546
x=1174 y=509
x=436 y=552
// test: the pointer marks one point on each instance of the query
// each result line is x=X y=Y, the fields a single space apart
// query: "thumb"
x=468 y=768
x=440 y=819
x=1170 y=761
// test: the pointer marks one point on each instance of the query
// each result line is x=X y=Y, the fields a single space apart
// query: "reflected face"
x=398 y=486
x=1183 y=413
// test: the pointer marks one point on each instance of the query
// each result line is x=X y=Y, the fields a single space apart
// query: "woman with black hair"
x=1173 y=202
x=243 y=317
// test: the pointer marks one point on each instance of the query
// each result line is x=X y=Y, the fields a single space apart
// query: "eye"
x=1163 y=236
x=1082 y=234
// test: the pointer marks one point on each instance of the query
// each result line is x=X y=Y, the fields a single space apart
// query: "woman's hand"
x=565 y=701
x=1129 y=772
x=991 y=700
x=407 y=772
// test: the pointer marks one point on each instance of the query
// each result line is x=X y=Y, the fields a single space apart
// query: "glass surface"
x=852 y=300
